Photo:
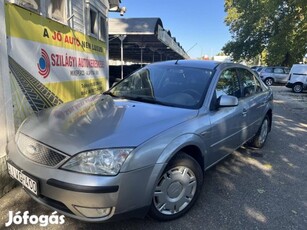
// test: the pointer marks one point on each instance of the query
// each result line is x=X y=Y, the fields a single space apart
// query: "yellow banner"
x=22 y=23
x=71 y=90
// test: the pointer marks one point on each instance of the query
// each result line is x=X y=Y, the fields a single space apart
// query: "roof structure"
x=144 y=40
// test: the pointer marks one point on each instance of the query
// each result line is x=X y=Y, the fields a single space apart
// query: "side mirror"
x=227 y=101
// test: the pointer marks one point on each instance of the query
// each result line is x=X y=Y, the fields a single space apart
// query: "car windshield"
x=175 y=86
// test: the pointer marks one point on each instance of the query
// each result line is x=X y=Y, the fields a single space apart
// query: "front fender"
x=181 y=142
x=158 y=153
x=161 y=149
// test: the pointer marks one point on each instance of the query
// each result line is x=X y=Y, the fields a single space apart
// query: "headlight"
x=100 y=162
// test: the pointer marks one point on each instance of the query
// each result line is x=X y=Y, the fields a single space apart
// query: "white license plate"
x=28 y=182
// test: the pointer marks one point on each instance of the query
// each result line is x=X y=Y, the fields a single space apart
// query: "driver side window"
x=228 y=84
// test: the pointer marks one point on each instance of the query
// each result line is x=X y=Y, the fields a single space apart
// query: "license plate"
x=27 y=181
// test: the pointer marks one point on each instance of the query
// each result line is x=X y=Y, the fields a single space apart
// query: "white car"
x=297 y=78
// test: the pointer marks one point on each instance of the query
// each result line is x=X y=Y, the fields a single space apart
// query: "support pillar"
x=7 y=129
x=122 y=38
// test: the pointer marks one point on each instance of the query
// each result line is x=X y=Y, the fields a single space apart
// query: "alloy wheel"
x=269 y=81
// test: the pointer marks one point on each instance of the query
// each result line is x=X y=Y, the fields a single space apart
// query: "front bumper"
x=289 y=85
x=71 y=193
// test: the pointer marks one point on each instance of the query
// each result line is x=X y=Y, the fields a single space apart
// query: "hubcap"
x=264 y=131
x=175 y=190
x=297 y=88
x=269 y=81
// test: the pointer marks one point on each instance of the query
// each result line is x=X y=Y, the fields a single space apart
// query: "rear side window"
x=278 y=70
x=228 y=84
x=268 y=70
x=250 y=83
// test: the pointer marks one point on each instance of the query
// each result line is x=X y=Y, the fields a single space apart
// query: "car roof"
x=198 y=63
x=284 y=67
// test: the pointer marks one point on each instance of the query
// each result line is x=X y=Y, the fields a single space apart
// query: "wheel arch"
x=195 y=152
x=189 y=152
x=190 y=144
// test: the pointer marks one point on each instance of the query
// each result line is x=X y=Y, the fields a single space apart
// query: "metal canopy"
x=144 y=40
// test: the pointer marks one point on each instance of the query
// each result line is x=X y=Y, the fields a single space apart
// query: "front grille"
x=38 y=152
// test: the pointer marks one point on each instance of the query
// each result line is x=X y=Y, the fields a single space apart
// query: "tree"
x=276 y=28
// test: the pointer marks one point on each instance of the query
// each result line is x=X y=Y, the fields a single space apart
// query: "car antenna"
x=187 y=52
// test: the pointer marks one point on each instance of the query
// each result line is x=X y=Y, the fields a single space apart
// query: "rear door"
x=280 y=74
x=254 y=100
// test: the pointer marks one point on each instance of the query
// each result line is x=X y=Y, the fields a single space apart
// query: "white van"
x=297 y=78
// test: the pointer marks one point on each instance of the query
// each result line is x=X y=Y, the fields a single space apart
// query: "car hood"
x=100 y=121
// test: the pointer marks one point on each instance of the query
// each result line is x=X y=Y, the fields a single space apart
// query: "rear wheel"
x=269 y=81
x=177 y=188
x=262 y=134
x=297 y=88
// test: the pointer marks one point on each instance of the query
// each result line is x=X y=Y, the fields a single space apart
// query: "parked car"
x=142 y=146
x=271 y=75
x=257 y=68
x=298 y=78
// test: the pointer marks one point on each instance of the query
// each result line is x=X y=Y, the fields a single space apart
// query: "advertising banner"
x=51 y=63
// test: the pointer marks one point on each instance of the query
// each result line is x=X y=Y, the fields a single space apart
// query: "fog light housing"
x=94 y=212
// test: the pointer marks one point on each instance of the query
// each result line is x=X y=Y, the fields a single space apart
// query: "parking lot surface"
x=250 y=189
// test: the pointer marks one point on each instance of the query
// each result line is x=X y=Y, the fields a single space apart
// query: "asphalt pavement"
x=250 y=189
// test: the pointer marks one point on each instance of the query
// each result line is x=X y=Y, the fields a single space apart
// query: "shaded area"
x=145 y=41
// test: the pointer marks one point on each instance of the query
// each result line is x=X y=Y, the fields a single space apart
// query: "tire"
x=297 y=88
x=269 y=81
x=177 y=188
x=259 y=139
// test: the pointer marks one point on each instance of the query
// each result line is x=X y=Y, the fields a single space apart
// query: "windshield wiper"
x=147 y=99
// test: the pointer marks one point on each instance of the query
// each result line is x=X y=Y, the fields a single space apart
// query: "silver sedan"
x=143 y=146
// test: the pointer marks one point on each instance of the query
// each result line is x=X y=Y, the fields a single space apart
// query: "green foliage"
x=276 y=28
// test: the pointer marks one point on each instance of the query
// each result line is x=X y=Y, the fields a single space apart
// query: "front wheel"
x=262 y=134
x=177 y=188
x=297 y=88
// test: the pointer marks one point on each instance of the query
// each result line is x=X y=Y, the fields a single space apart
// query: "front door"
x=228 y=130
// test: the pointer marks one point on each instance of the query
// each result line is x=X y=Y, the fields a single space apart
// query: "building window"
x=30 y=4
x=56 y=9
x=94 y=22
x=93 y=25
x=103 y=28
